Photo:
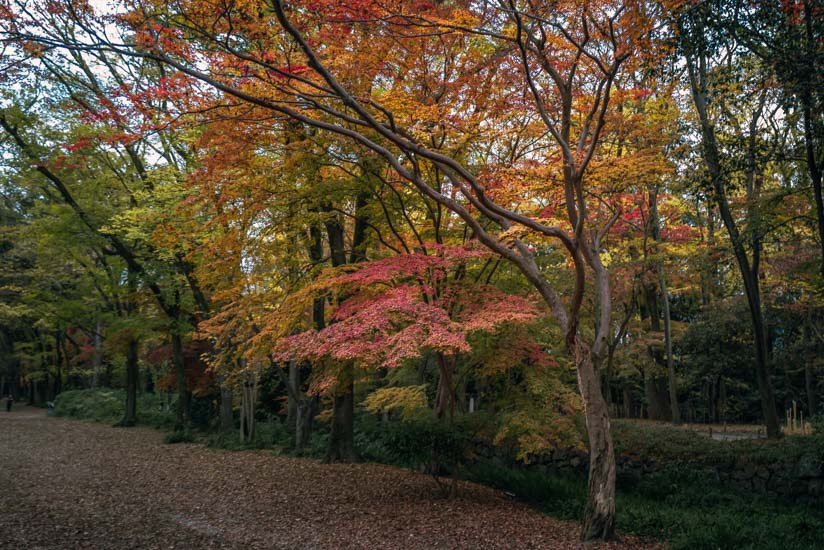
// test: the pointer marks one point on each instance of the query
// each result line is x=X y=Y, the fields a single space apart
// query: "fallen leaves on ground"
x=72 y=484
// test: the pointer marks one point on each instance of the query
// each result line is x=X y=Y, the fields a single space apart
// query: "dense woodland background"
x=522 y=218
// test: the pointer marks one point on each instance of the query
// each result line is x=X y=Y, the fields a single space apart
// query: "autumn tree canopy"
x=376 y=206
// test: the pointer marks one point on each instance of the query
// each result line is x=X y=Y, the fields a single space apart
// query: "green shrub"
x=428 y=443
x=180 y=436
x=671 y=444
x=109 y=406
x=817 y=422
x=268 y=434
x=101 y=405
x=562 y=497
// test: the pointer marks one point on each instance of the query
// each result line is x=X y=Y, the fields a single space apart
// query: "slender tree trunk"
x=227 y=421
x=627 y=398
x=302 y=408
x=58 y=352
x=813 y=128
x=342 y=436
x=132 y=365
x=765 y=388
x=697 y=69
x=132 y=382
x=599 y=518
x=97 y=358
x=247 y=405
x=182 y=418
x=673 y=385
x=293 y=381
x=305 y=413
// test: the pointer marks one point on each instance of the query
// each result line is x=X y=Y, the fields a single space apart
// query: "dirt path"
x=72 y=484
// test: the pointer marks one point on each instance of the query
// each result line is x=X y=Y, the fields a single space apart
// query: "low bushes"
x=670 y=443
x=109 y=406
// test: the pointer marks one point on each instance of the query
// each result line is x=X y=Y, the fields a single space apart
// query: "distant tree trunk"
x=697 y=67
x=627 y=398
x=248 y=401
x=656 y=398
x=342 y=437
x=58 y=359
x=182 y=418
x=132 y=382
x=612 y=346
x=302 y=408
x=227 y=421
x=305 y=413
x=673 y=385
x=97 y=358
x=132 y=365
x=813 y=127
x=293 y=386
x=651 y=305
x=709 y=270
x=445 y=394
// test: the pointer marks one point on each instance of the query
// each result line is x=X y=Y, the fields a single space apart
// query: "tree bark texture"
x=599 y=518
x=342 y=437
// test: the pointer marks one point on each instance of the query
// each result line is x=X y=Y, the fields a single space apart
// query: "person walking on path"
x=9 y=401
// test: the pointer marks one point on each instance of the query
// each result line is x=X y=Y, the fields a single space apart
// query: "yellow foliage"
x=409 y=399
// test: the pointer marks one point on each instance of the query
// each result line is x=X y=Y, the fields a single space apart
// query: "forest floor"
x=74 y=484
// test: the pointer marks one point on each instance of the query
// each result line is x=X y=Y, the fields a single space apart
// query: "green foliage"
x=682 y=503
x=670 y=444
x=271 y=434
x=690 y=510
x=817 y=422
x=99 y=405
x=562 y=497
x=109 y=405
x=179 y=436
x=429 y=443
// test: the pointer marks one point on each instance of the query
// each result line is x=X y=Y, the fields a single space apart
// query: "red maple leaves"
x=397 y=308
